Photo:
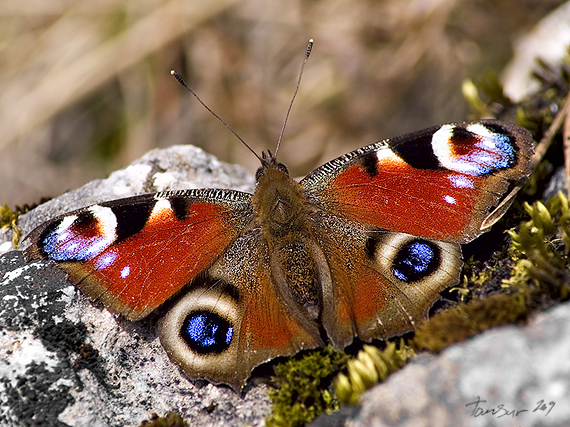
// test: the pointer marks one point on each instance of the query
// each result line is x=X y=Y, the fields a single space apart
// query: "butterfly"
x=361 y=247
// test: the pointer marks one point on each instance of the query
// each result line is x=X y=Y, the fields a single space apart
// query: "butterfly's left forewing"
x=133 y=254
x=440 y=183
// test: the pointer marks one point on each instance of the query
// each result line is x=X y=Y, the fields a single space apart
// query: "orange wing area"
x=161 y=258
x=135 y=275
x=269 y=329
x=419 y=202
x=240 y=290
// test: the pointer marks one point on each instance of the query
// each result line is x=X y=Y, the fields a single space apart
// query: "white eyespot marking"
x=161 y=207
x=476 y=150
x=483 y=131
x=388 y=156
x=82 y=236
x=125 y=271
x=441 y=140
x=106 y=218
x=461 y=181
x=65 y=224
x=449 y=199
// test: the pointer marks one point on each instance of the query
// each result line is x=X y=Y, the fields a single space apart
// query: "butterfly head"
x=269 y=161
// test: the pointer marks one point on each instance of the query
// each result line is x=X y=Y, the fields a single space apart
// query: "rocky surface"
x=511 y=376
x=65 y=361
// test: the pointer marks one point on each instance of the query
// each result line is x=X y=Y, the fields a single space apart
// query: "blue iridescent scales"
x=361 y=247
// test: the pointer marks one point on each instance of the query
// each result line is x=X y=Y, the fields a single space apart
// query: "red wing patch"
x=140 y=273
x=440 y=183
x=133 y=268
x=435 y=204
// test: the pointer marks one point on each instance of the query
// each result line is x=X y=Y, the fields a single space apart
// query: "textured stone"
x=65 y=361
x=504 y=377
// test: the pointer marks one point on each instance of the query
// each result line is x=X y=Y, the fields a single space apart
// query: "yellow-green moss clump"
x=371 y=366
x=303 y=387
x=173 y=419
x=541 y=248
x=9 y=219
x=461 y=322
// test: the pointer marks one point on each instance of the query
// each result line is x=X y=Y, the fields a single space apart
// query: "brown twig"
x=544 y=144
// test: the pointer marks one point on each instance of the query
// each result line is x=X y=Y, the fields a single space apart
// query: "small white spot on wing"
x=125 y=271
x=461 y=181
x=105 y=260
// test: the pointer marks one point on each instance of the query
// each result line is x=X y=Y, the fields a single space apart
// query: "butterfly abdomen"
x=284 y=219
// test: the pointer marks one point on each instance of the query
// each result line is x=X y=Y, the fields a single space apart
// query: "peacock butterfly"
x=361 y=247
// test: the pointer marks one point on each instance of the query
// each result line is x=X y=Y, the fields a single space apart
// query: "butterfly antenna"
x=183 y=83
x=307 y=53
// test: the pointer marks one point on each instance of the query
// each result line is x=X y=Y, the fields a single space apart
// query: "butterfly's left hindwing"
x=133 y=254
x=383 y=283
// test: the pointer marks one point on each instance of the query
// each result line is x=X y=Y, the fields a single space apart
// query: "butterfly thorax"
x=282 y=213
x=280 y=203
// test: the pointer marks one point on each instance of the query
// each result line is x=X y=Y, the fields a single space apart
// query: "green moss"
x=303 y=387
x=370 y=367
x=541 y=248
x=173 y=419
x=9 y=219
x=461 y=322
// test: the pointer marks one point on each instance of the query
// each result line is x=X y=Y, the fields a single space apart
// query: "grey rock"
x=65 y=361
x=506 y=377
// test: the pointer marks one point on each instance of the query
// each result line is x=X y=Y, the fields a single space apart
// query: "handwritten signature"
x=501 y=410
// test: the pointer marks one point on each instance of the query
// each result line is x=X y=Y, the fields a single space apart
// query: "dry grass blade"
x=167 y=22
x=566 y=136
x=85 y=87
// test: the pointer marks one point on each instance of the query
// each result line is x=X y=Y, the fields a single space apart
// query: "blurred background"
x=85 y=87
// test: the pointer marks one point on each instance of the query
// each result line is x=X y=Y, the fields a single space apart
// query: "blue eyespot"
x=206 y=332
x=81 y=236
x=416 y=260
